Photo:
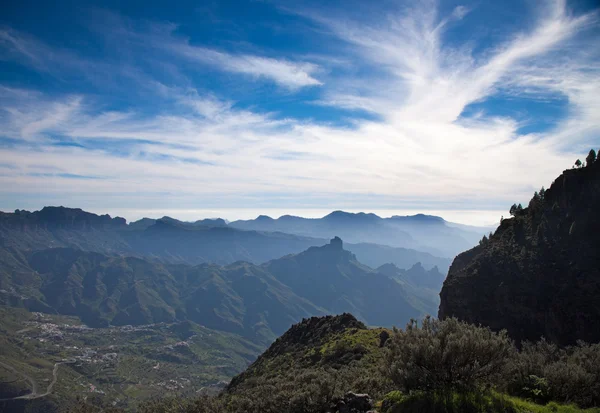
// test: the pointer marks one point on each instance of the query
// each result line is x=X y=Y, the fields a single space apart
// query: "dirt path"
x=34 y=387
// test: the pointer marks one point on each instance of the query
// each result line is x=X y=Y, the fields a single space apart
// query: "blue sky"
x=233 y=107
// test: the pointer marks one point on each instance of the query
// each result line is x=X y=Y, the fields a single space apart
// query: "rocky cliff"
x=539 y=273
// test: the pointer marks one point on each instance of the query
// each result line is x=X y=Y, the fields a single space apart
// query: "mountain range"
x=172 y=241
x=421 y=232
x=255 y=301
x=158 y=286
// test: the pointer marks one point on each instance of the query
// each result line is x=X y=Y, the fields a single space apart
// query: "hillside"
x=332 y=278
x=115 y=366
x=336 y=364
x=539 y=273
x=103 y=290
x=424 y=285
x=318 y=360
x=258 y=302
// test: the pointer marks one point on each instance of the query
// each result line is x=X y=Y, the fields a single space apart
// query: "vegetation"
x=455 y=362
x=445 y=356
x=543 y=371
x=120 y=366
x=591 y=158
x=474 y=402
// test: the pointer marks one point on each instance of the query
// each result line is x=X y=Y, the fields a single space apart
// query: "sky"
x=236 y=108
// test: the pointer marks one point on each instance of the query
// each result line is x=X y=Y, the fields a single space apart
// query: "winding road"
x=34 y=387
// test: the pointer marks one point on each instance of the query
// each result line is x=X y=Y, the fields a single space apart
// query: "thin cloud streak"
x=292 y=75
x=161 y=37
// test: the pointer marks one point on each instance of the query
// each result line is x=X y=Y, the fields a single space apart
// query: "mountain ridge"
x=254 y=301
x=426 y=233
x=174 y=241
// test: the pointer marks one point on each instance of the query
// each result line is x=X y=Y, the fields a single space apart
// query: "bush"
x=536 y=388
x=449 y=402
x=392 y=400
x=543 y=371
x=445 y=355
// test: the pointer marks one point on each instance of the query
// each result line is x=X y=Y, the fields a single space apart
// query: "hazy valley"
x=126 y=309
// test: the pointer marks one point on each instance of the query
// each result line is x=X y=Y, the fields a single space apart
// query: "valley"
x=116 y=366
x=114 y=318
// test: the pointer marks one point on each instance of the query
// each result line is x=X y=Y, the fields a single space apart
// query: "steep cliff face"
x=539 y=273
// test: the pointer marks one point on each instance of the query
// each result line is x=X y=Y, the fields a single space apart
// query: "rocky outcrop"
x=539 y=273
x=354 y=403
x=336 y=243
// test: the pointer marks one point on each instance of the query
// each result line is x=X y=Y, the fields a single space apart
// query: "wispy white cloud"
x=434 y=80
x=286 y=73
x=291 y=74
x=418 y=150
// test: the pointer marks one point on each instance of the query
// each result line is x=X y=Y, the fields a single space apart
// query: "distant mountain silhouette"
x=60 y=217
x=421 y=232
x=148 y=222
x=539 y=274
x=173 y=241
x=375 y=255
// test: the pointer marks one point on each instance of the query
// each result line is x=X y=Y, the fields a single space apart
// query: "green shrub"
x=449 y=402
x=445 y=355
x=536 y=389
x=391 y=400
x=567 y=375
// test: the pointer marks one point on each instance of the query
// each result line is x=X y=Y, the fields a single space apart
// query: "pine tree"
x=591 y=158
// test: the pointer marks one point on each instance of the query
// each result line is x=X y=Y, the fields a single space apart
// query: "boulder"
x=355 y=403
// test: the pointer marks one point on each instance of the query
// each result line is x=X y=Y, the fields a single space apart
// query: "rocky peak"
x=389 y=270
x=337 y=243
